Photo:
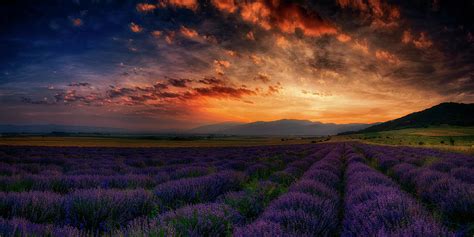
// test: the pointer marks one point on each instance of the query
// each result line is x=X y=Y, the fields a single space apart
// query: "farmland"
x=327 y=189
x=450 y=138
x=146 y=141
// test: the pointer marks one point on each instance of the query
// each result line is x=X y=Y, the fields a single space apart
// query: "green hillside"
x=455 y=114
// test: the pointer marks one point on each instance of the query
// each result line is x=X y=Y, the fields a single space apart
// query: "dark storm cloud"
x=79 y=84
x=178 y=82
x=223 y=92
x=211 y=81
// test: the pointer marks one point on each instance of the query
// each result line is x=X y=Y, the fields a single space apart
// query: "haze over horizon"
x=179 y=64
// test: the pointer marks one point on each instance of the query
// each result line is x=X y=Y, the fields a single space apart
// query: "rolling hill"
x=456 y=114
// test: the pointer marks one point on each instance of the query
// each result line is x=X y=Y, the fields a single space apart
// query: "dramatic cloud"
x=189 y=33
x=178 y=82
x=343 y=38
x=225 y=5
x=224 y=92
x=135 y=28
x=211 y=81
x=145 y=7
x=143 y=64
x=282 y=42
x=422 y=42
x=263 y=77
x=78 y=84
x=288 y=18
x=77 y=22
x=190 y=4
x=387 y=57
x=157 y=33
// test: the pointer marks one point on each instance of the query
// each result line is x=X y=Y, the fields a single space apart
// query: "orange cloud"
x=250 y=35
x=394 y=13
x=231 y=53
x=383 y=15
x=77 y=22
x=256 y=59
x=189 y=33
x=157 y=33
x=293 y=17
x=362 y=46
x=224 y=92
x=222 y=63
x=282 y=42
x=376 y=7
x=169 y=38
x=225 y=5
x=423 y=42
x=257 y=13
x=285 y=17
x=145 y=7
x=189 y=4
x=262 y=77
x=406 y=37
x=343 y=38
x=382 y=25
x=273 y=90
x=387 y=57
x=135 y=28
x=355 y=4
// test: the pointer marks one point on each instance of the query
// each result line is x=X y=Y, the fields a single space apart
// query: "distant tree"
x=451 y=141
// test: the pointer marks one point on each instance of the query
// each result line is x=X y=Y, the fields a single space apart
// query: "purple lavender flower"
x=195 y=190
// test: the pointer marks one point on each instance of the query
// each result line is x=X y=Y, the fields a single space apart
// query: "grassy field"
x=460 y=139
x=92 y=141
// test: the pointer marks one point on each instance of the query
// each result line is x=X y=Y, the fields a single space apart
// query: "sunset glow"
x=177 y=64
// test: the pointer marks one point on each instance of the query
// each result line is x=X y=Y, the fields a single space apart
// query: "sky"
x=177 y=64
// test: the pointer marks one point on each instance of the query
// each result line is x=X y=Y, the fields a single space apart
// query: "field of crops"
x=330 y=189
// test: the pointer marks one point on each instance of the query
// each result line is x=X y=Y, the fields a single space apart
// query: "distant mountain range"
x=284 y=127
x=445 y=113
x=457 y=114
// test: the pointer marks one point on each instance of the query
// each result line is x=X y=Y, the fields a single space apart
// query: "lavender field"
x=332 y=189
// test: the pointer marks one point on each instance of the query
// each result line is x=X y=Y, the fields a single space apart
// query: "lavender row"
x=454 y=199
x=448 y=194
x=22 y=227
x=175 y=194
x=212 y=219
x=182 y=192
x=375 y=206
x=310 y=208
x=114 y=161
x=67 y=183
x=148 y=177
x=105 y=209
x=456 y=165
x=256 y=196
x=93 y=210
